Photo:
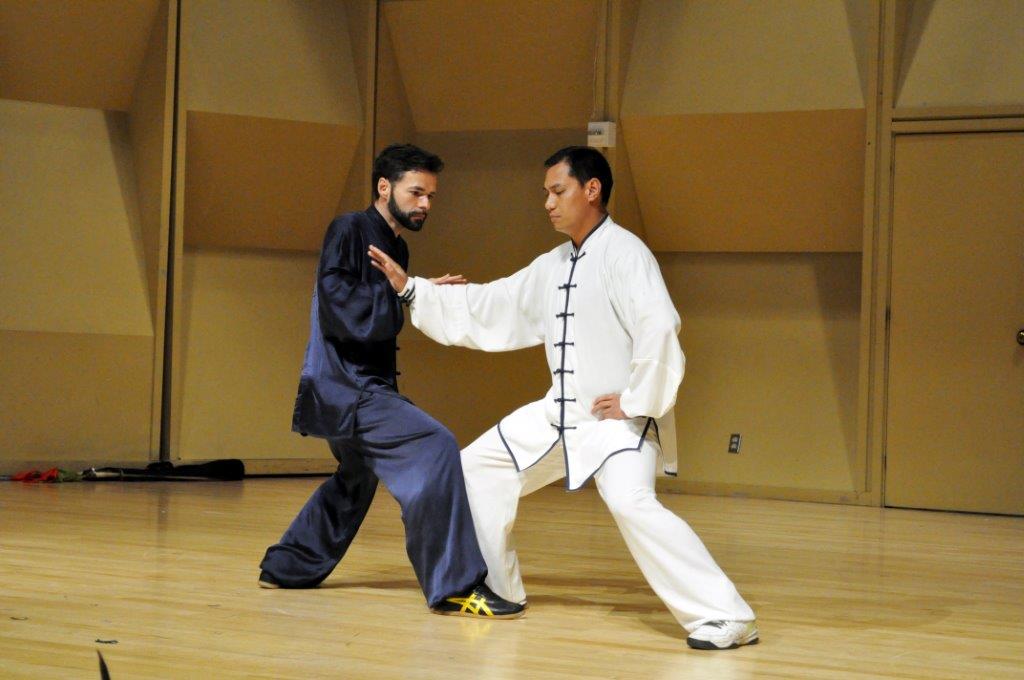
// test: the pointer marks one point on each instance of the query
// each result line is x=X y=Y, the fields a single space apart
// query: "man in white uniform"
x=599 y=305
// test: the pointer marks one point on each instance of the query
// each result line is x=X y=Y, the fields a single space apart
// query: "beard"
x=406 y=219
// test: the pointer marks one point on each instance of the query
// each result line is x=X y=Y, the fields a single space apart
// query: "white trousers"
x=670 y=555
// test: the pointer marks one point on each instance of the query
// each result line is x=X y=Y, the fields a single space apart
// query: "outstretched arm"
x=397 y=276
x=497 y=316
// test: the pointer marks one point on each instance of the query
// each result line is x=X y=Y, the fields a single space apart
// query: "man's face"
x=410 y=198
x=567 y=204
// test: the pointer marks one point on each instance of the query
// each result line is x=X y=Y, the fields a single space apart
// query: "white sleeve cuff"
x=408 y=293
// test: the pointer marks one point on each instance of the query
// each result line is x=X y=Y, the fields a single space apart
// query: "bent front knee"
x=628 y=502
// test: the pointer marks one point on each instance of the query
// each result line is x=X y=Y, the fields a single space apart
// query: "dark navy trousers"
x=417 y=458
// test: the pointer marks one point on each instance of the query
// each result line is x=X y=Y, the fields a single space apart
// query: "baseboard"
x=253 y=466
x=256 y=467
x=10 y=467
x=784 y=493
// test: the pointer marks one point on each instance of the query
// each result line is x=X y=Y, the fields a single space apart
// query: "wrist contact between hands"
x=408 y=293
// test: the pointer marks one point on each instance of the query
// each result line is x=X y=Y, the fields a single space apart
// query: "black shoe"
x=268 y=581
x=479 y=602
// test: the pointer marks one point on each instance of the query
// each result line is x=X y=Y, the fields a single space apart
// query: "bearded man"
x=348 y=395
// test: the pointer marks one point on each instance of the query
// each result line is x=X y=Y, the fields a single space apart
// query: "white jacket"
x=607 y=325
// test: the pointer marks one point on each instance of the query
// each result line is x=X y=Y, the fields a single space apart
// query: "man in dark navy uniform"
x=348 y=394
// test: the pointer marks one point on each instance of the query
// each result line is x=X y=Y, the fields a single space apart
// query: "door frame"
x=877 y=269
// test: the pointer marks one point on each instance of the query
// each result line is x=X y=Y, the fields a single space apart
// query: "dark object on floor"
x=104 y=673
x=226 y=470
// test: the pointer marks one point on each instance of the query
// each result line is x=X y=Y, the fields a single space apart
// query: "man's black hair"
x=585 y=163
x=398 y=159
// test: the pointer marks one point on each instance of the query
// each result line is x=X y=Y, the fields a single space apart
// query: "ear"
x=384 y=187
x=592 y=190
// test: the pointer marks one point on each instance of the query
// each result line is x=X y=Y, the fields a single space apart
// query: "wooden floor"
x=165 y=574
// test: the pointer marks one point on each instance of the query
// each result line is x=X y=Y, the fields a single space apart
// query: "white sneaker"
x=723 y=635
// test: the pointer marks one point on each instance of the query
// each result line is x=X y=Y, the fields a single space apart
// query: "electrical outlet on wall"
x=734 y=443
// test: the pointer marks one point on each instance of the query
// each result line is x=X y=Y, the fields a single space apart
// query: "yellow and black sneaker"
x=479 y=602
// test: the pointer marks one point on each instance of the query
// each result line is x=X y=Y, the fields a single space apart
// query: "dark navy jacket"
x=354 y=321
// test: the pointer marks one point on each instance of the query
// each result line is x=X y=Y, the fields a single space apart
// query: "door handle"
x=1020 y=337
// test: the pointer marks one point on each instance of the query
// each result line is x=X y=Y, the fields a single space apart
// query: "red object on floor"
x=31 y=476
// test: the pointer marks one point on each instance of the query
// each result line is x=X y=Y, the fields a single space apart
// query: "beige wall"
x=288 y=59
x=394 y=122
x=734 y=56
x=74 y=399
x=771 y=343
x=959 y=53
x=745 y=125
x=149 y=127
x=747 y=146
x=275 y=98
x=82 y=209
x=253 y=182
x=70 y=213
x=74 y=53
x=244 y=327
x=781 y=181
x=76 y=331
x=361 y=17
x=275 y=117
x=504 y=66
x=620 y=37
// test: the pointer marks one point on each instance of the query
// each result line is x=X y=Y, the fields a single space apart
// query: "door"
x=955 y=385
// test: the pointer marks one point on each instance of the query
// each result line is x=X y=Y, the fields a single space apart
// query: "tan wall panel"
x=150 y=133
x=288 y=59
x=739 y=56
x=624 y=204
x=488 y=221
x=263 y=183
x=355 y=195
x=73 y=53
x=783 y=181
x=963 y=54
x=74 y=397
x=361 y=15
x=771 y=343
x=71 y=248
x=358 y=18
x=519 y=66
x=244 y=326
x=860 y=19
x=394 y=121
x=622 y=28
x=626 y=24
